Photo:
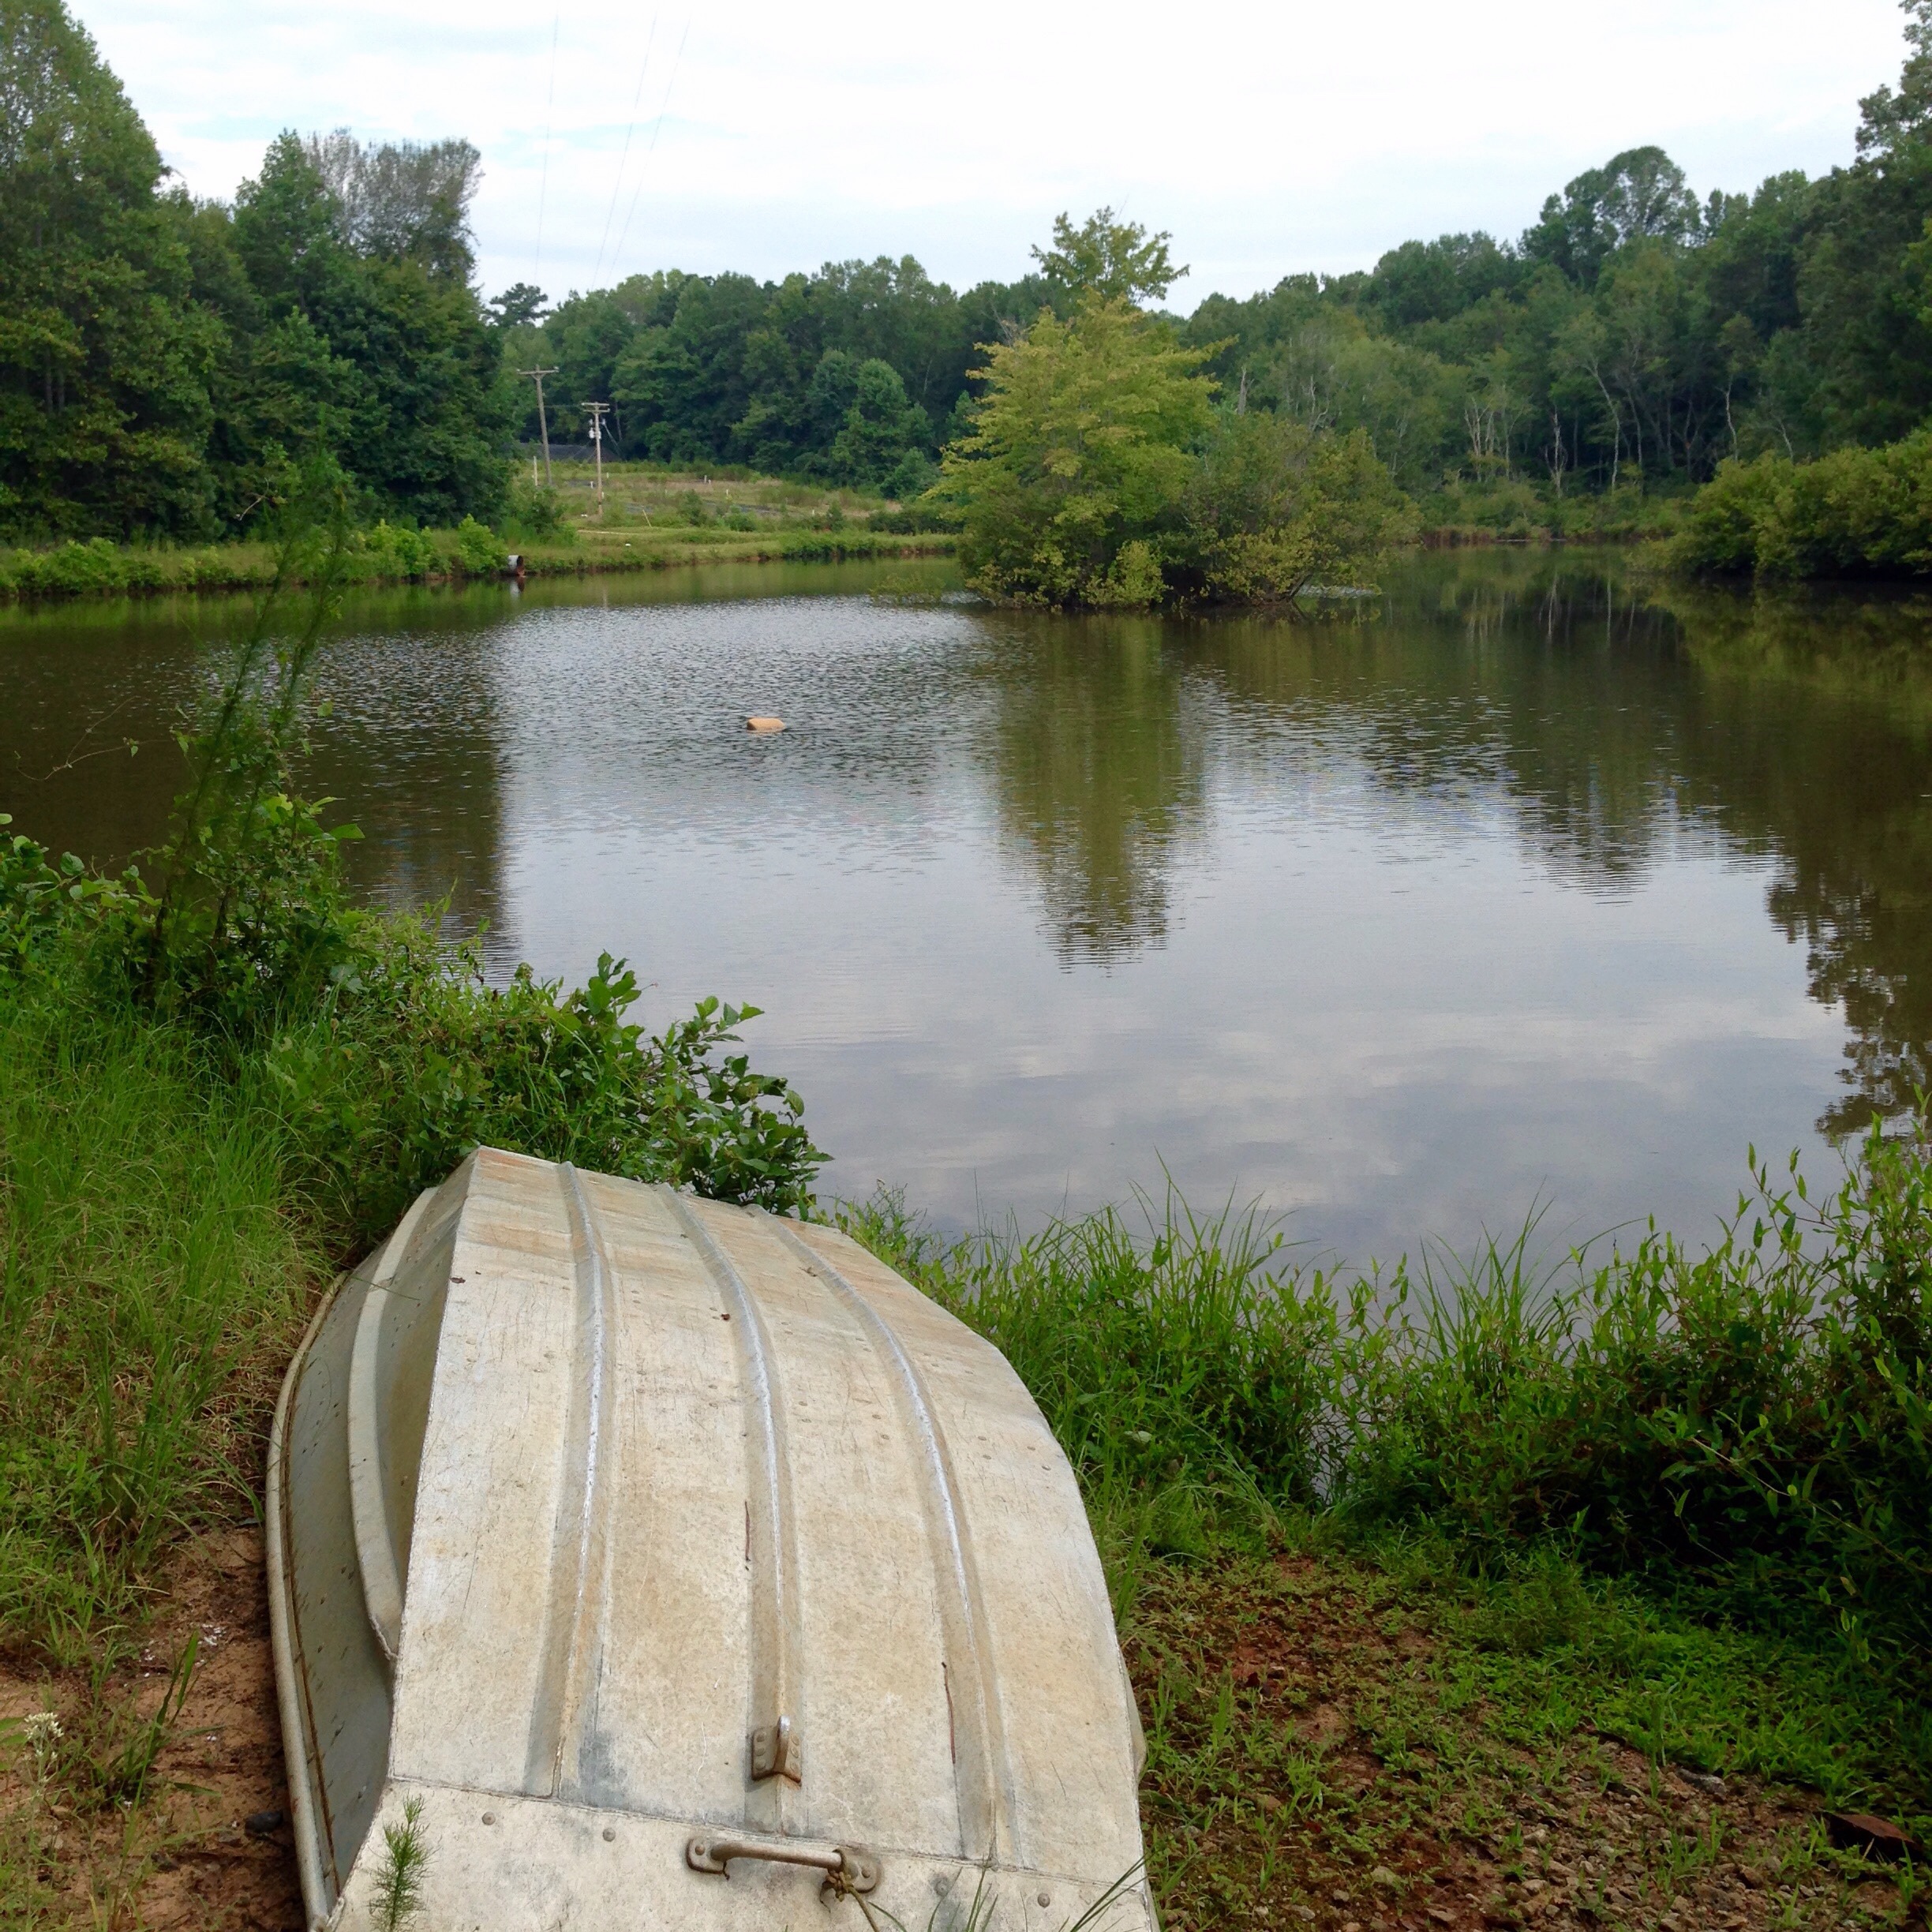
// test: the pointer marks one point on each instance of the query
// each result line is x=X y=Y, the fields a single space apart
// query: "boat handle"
x=846 y=1867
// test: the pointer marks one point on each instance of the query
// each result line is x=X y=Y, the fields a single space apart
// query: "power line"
x=657 y=128
x=624 y=159
x=543 y=186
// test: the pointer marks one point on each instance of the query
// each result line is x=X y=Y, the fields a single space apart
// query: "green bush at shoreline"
x=1852 y=513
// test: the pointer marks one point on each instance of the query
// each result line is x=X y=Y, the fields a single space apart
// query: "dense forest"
x=163 y=360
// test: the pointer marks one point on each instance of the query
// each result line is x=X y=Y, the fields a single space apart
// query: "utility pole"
x=598 y=411
x=543 y=422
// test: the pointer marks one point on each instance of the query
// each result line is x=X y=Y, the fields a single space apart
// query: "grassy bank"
x=101 y=569
x=647 y=518
x=1629 y=1560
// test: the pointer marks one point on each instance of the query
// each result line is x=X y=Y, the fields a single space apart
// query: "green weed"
x=122 y=1778
x=398 y=1876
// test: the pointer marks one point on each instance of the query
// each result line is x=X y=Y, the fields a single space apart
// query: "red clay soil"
x=1286 y=1789
x=185 y=1858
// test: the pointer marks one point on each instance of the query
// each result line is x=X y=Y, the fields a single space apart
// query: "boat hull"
x=609 y=1529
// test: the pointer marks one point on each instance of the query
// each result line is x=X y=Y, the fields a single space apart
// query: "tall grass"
x=152 y=1268
x=1189 y=1376
x=1748 y=1427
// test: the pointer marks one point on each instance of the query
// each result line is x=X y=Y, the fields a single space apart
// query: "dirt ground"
x=1310 y=1765
x=1316 y=1759
x=186 y=1857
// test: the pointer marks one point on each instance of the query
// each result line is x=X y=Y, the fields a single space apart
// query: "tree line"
x=163 y=360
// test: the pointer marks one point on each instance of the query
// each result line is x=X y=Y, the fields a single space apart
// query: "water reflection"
x=1847 y=810
x=1533 y=876
x=1098 y=770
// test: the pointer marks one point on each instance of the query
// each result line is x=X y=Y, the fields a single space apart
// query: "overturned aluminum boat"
x=677 y=1566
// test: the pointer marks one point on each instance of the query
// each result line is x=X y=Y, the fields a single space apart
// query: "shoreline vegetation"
x=649 y=519
x=1467 y=1584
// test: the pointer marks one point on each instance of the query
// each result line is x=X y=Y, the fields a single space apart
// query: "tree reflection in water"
x=1612 y=714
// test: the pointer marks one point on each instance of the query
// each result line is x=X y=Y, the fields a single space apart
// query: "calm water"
x=1518 y=890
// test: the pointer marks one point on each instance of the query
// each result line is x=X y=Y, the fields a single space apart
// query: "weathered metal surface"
x=607 y=1525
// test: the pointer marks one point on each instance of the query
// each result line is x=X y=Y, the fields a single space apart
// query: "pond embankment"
x=101 y=569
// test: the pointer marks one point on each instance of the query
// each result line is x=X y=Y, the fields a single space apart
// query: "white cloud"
x=1269 y=139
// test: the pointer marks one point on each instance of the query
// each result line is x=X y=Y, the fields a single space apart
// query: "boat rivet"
x=490 y=1818
x=1046 y=1898
x=608 y=1834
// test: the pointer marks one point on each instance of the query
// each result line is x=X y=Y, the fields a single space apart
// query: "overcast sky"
x=766 y=137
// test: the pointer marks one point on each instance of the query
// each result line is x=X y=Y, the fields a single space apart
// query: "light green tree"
x=1115 y=260
x=1071 y=483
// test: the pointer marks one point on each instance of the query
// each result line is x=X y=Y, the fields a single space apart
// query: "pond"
x=1526 y=886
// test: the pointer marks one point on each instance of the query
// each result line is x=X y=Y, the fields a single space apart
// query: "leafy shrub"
x=412 y=1059
x=480 y=551
x=1853 y=513
x=1277 y=507
x=43 y=900
x=1509 y=507
x=537 y=514
x=73 y=570
x=394 y=553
